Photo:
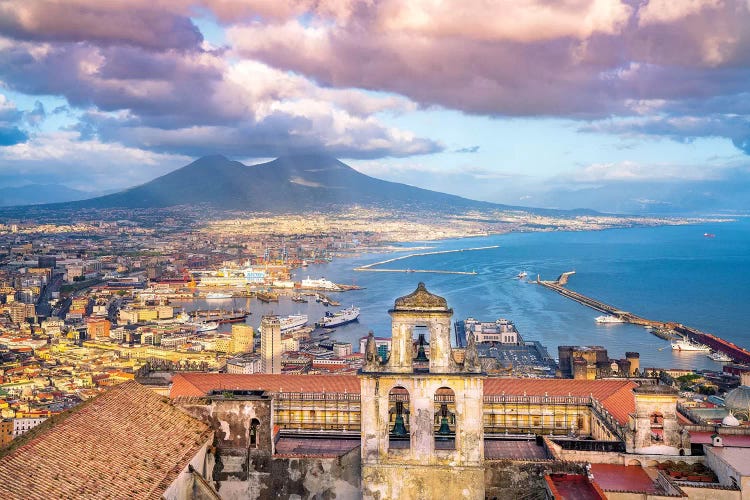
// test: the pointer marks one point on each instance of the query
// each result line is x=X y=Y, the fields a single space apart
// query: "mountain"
x=33 y=194
x=287 y=184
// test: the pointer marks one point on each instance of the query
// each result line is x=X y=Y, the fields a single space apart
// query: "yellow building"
x=242 y=338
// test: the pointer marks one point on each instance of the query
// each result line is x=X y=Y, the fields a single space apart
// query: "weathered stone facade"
x=422 y=429
x=654 y=428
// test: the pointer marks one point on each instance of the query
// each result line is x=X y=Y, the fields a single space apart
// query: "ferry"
x=293 y=321
x=339 y=318
x=686 y=345
x=202 y=326
x=218 y=295
x=609 y=319
x=720 y=357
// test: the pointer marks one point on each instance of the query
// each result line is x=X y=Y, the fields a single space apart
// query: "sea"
x=697 y=275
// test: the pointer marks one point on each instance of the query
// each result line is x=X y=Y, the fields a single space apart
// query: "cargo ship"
x=339 y=318
x=218 y=295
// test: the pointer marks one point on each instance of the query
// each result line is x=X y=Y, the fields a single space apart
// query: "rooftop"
x=421 y=300
x=615 y=395
x=623 y=478
x=497 y=449
x=126 y=443
x=292 y=446
x=573 y=487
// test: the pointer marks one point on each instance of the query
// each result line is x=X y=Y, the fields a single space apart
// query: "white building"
x=23 y=425
x=501 y=330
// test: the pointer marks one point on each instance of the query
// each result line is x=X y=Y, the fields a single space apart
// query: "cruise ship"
x=339 y=318
x=218 y=295
x=686 y=345
x=609 y=319
x=293 y=321
x=319 y=284
x=202 y=326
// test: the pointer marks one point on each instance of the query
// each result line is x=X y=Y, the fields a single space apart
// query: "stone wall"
x=508 y=480
x=299 y=478
x=385 y=482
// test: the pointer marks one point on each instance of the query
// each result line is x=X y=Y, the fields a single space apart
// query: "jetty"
x=374 y=266
x=737 y=353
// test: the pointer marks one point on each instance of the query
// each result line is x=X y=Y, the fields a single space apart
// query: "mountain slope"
x=288 y=183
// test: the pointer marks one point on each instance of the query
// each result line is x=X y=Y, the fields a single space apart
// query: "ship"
x=299 y=298
x=709 y=235
x=522 y=275
x=609 y=319
x=293 y=321
x=220 y=316
x=720 y=357
x=202 y=326
x=686 y=345
x=218 y=295
x=339 y=318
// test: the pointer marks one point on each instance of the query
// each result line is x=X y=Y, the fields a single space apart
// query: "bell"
x=421 y=356
x=444 y=430
x=399 y=429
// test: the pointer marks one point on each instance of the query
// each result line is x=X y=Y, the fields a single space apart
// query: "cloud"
x=150 y=24
x=10 y=118
x=470 y=149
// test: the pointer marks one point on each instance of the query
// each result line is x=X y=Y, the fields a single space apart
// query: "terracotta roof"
x=200 y=384
x=612 y=477
x=126 y=443
x=573 y=487
x=731 y=440
x=615 y=395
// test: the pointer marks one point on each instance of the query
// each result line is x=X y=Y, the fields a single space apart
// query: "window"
x=254 y=425
x=398 y=418
x=445 y=419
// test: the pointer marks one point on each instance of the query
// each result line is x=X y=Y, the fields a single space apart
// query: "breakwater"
x=374 y=267
x=737 y=353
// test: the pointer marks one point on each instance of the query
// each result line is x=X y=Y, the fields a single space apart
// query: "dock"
x=372 y=267
x=737 y=353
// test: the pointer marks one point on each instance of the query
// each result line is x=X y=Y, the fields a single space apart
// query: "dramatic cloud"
x=10 y=116
x=145 y=23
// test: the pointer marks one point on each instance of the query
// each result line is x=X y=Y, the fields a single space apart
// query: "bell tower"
x=422 y=429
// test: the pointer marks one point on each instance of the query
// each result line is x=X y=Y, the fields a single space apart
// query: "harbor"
x=688 y=334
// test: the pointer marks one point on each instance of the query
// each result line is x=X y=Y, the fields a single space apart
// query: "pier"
x=738 y=354
x=372 y=267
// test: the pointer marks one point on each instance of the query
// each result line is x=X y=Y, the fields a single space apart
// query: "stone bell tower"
x=654 y=428
x=422 y=430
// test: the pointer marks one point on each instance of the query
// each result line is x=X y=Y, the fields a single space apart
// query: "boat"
x=293 y=321
x=218 y=295
x=338 y=318
x=299 y=298
x=720 y=357
x=709 y=235
x=522 y=275
x=202 y=326
x=267 y=297
x=220 y=315
x=609 y=319
x=687 y=345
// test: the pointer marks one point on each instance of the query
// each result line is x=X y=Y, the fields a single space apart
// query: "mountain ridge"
x=290 y=183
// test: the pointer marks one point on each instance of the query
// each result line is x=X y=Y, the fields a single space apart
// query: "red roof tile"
x=126 y=443
x=573 y=487
x=623 y=478
x=615 y=395
x=732 y=440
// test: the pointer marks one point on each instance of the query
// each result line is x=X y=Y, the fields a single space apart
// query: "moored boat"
x=687 y=345
x=338 y=318
x=609 y=319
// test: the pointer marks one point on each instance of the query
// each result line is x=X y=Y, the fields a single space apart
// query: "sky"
x=538 y=103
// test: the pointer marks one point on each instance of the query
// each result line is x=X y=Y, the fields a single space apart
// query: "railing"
x=540 y=400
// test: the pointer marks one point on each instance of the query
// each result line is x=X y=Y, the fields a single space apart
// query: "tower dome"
x=738 y=400
x=730 y=421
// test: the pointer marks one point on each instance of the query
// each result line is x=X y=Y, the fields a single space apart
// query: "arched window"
x=398 y=418
x=254 y=425
x=445 y=419
x=656 y=421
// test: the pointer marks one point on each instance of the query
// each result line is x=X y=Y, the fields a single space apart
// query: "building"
x=502 y=331
x=20 y=312
x=271 y=347
x=246 y=364
x=24 y=424
x=97 y=328
x=243 y=337
x=126 y=443
x=592 y=362
x=383 y=345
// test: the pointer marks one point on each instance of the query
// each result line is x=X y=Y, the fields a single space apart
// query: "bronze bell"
x=421 y=356
x=444 y=430
x=399 y=429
